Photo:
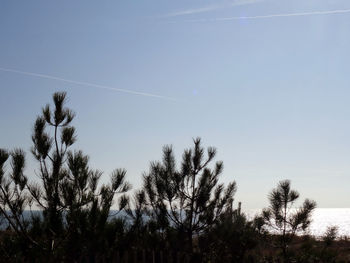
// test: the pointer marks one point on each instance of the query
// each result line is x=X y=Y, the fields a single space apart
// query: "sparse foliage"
x=65 y=214
x=282 y=218
x=330 y=235
x=74 y=207
x=230 y=238
x=189 y=198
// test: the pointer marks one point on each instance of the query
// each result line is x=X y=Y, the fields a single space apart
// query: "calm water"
x=324 y=217
x=321 y=219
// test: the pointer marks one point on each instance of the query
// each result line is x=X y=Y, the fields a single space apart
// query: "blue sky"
x=271 y=93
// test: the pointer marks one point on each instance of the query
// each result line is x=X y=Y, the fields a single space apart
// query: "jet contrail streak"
x=339 y=11
x=86 y=84
x=210 y=8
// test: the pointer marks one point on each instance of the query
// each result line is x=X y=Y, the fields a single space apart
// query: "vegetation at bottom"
x=182 y=213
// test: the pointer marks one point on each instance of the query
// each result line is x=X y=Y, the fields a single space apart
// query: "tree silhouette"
x=182 y=209
x=13 y=195
x=280 y=216
x=190 y=198
x=74 y=208
x=230 y=238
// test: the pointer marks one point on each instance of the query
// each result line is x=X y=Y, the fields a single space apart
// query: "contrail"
x=330 y=12
x=87 y=84
x=210 y=8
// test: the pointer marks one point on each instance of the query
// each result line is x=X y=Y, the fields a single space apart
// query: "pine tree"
x=74 y=208
x=281 y=217
x=190 y=198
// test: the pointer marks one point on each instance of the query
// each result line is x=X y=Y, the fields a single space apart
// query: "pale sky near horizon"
x=264 y=81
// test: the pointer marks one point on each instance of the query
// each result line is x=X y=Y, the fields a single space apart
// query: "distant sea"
x=322 y=218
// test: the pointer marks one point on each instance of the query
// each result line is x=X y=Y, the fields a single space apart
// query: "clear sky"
x=266 y=82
